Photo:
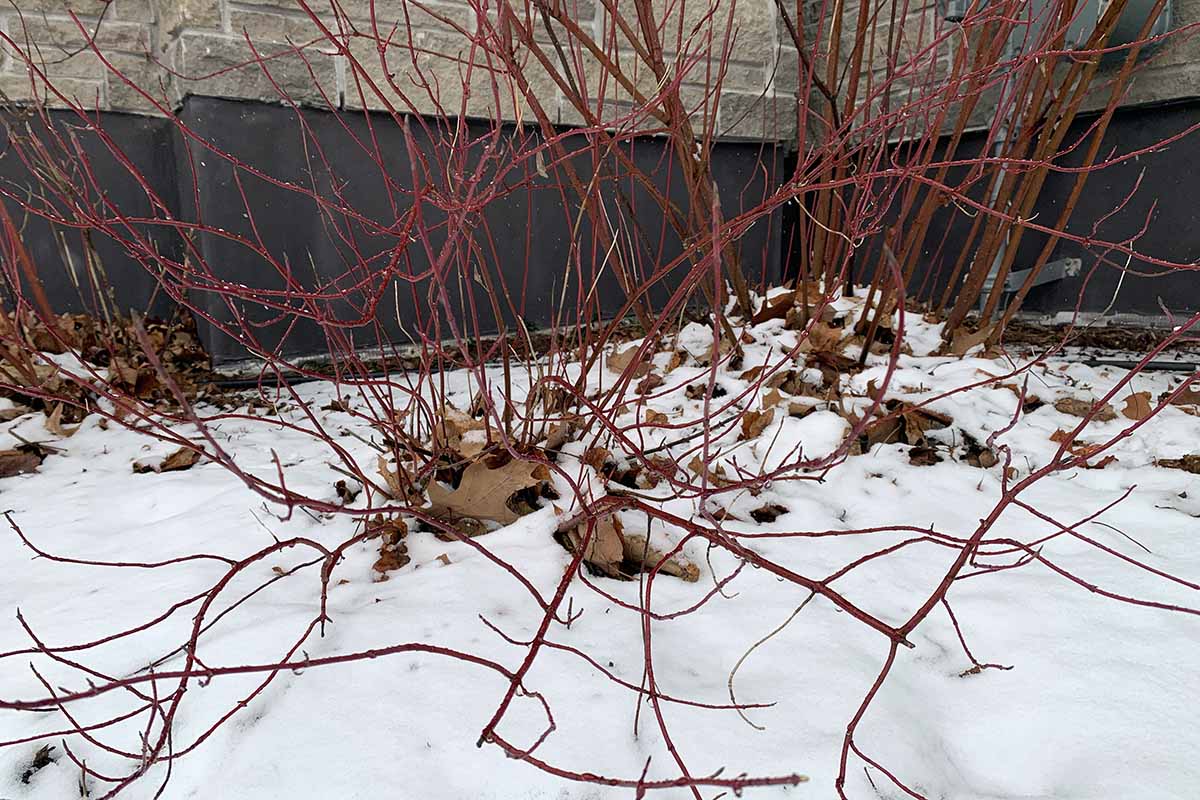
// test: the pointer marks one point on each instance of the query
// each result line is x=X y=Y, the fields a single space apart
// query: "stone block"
x=785 y=73
x=221 y=66
x=133 y=11
x=752 y=25
x=175 y=16
x=53 y=59
x=18 y=88
x=739 y=75
x=82 y=8
x=278 y=21
x=270 y=26
x=436 y=81
x=147 y=75
x=392 y=12
x=757 y=116
x=63 y=35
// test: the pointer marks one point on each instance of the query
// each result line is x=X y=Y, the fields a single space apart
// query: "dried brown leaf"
x=559 y=434
x=824 y=337
x=393 y=550
x=755 y=422
x=917 y=421
x=656 y=418
x=391 y=478
x=620 y=360
x=800 y=408
x=922 y=456
x=55 y=426
x=347 y=492
x=18 y=410
x=1031 y=402
x=649 y=383
x=465 y=527
x=596 y=457
x=1080 y=449
x=768 y=513
x=461 y=432
x=605 y=548
x=832 y=365
x=638 y=553
x=1083 y=408
x=716 y=475
x=485 y=492
x=1189 y=463
x=965 y=340
x=1190 y=396
x=18 y=462
x=1138 y=406
x=699 y=390
x=657 y=466
x=772 y=398
x=181 y=459
x=978 y=455
x=774 y=308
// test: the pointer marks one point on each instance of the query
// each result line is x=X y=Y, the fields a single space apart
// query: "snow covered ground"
x=1100 y=702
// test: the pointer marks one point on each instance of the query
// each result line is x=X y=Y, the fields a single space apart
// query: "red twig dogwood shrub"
x=631 y=421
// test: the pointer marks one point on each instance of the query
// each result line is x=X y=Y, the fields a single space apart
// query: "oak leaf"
x=181 y=459
x=485 y=492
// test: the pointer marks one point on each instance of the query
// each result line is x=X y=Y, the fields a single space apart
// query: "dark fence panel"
x=1162 y=205
x=531 y=226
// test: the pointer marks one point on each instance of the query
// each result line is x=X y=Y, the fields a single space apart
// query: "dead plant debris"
x=181 y=459
x=20 y=461
x=42 y=758
x=1077 y=407
x=393 y=550
x=497 y=493
x=612 y=553
x=768 y=513
x=1189 y=463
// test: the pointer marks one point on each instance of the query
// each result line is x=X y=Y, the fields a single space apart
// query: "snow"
x=1099 y=702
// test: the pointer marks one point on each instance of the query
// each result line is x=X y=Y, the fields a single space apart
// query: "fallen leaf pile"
x=903 y=424
x=110 y=348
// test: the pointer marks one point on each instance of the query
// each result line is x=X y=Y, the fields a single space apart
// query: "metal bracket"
x=1052 y=271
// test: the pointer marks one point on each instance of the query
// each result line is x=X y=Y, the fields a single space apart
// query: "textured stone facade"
x=170 y=48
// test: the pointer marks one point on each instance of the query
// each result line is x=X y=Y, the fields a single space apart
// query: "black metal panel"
x=288 y=240
x=59 y=250
x=1162 y=205
x=531 y=223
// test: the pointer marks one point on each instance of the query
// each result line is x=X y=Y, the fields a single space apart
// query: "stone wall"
x=203 y=42
x=171 y=48
x=58 y=45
